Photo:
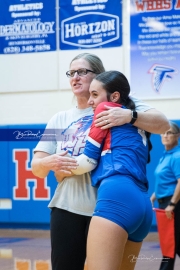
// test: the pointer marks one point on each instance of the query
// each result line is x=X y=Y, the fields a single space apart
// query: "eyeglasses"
x=168 y=133
x=80 y=72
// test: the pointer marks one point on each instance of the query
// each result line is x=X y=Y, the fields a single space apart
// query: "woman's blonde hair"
x=93 y=60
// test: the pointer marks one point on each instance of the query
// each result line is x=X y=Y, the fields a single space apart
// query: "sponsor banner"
x=90 y=24
x=27 y=26
x=155 y=48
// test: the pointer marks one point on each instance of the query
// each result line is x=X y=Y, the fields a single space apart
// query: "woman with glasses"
x=167 y=186
x=74 y=199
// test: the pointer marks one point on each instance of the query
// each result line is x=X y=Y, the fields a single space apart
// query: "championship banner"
x=27 y=26
x=87 y=24
x=155 y=48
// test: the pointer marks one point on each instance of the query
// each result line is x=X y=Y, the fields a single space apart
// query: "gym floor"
x=30 y=250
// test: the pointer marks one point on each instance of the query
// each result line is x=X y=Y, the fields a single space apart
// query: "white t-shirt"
x=74 y=193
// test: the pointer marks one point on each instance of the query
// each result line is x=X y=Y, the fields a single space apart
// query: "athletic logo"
x=160 y=73
x=74 y=136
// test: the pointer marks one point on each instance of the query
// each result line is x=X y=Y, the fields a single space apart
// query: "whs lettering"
x=156 y=5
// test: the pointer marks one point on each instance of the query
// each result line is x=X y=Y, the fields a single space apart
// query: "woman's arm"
x=175 y=198
x=153 y=198
x=43 y=162
x=151 y=120
x=61 y=174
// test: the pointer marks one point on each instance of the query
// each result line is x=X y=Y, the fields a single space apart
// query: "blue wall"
x=30 y=196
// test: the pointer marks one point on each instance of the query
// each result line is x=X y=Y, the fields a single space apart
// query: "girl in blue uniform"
x=123 y=213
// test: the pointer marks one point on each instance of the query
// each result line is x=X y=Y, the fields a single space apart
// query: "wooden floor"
x=30 y=250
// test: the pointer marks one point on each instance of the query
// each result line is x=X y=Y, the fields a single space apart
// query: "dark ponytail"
x=129 y=103
x=115 y=81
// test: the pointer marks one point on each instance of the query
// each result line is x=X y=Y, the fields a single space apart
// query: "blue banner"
x=89 y=24
x=33 y=134
x=27 y=26
x=29 y=194
x=155 y=48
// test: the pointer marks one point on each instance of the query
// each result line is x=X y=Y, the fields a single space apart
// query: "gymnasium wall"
x=33 y=87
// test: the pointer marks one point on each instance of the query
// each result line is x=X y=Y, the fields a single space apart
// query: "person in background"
x=74 y=198
x=120 y=154
x=167 y=186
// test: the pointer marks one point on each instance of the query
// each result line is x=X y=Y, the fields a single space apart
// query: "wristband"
x=134 y=117
x=85 y=164
x=172 y=204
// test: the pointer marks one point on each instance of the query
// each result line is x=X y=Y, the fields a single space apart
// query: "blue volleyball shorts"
x=123 y=202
